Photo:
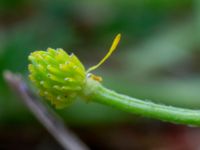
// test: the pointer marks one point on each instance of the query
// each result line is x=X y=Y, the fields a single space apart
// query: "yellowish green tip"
x=111 y=50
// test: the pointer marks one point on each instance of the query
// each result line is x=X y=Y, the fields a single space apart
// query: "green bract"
x=60 y=77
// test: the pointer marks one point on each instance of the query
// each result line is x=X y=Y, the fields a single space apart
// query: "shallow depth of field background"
x=158 y=59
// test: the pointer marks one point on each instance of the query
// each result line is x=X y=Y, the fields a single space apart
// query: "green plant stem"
x=145 y=108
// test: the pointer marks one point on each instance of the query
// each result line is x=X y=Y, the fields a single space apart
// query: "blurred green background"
x=158 y=57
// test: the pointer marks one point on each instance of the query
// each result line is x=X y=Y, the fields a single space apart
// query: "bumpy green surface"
x=59 y=76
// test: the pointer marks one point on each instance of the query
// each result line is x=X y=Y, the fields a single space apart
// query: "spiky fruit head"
x=60 y=77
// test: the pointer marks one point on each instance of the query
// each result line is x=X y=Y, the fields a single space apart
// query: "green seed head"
x=60 y=77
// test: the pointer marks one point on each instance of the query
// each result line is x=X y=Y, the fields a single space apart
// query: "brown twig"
x=44 y=114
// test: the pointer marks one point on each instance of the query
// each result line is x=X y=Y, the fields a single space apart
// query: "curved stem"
x=145 y=108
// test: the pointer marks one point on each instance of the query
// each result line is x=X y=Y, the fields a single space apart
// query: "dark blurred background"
x=158 y=59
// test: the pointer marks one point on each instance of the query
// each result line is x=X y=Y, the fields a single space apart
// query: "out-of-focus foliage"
x=158 y=57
